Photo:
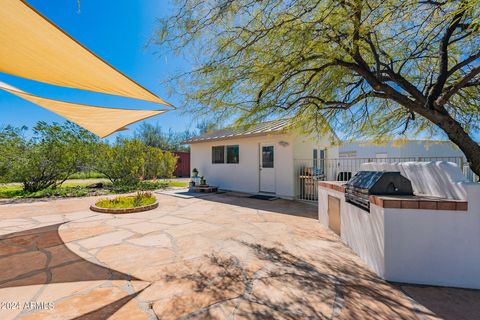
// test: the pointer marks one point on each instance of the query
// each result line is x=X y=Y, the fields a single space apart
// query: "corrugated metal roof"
x=274 y=126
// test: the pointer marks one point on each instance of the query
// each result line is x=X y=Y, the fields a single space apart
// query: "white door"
x=267 y=168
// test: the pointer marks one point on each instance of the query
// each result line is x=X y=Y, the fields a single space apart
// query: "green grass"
x=87 y=175
x=178 y=184
x=79 y=189
x=139 y=200
x=10 y=191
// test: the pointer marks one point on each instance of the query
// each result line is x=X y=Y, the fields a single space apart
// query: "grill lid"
x=366 y=183
x=365 y=179
x=380 y=183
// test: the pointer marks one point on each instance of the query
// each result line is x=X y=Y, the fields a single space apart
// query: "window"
x=267 y=157
x=319 y=161
x=218 y=154
x=232 y=154
x=226 y=154
x=322 y=161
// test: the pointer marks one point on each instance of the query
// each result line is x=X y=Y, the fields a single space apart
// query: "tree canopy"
x=371 y=68
x=155 y=136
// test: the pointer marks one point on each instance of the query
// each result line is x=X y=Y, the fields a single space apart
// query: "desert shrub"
x=127 y=162
x=55 y=153
x=50 y=156
x=169 y=164
x=158 y=163
x=122 y=163
x=12 y=142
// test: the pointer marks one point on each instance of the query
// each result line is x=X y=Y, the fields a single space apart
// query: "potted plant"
x=203 y=181
x=194 y=173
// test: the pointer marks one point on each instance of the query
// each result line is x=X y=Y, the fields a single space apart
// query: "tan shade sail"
x=33 y=47
x=98 y=120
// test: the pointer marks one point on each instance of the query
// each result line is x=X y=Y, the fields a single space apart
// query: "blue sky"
x=117 y=31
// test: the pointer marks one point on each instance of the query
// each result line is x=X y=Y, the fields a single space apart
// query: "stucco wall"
x=435 y=247
x=362 y=231
x=244 y=176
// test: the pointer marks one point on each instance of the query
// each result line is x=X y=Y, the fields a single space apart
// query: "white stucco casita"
x=250 y=174
x=233 y=158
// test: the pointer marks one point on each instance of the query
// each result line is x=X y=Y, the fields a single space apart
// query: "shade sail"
x=98 y=120
x=32 y=47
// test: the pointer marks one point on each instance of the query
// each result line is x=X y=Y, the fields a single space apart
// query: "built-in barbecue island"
x=413 y=222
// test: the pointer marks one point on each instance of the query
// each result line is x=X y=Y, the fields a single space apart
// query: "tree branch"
x=406 y=85
x=331 y=104
x=377 y=85
x=463 y=63
x=456 y=87
x=443 y=65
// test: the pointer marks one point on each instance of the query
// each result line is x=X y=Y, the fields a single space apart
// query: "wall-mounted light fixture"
x=283 y=143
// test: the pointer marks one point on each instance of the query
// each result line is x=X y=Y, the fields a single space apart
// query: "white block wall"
x=244 y=176
x=434 y=247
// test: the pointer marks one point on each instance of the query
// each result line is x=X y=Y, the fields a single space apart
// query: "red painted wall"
x=183 y=164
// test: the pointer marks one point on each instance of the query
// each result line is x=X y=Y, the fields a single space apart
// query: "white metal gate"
x=309 y=171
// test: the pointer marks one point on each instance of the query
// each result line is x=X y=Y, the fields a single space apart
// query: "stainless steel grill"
x=366 y=183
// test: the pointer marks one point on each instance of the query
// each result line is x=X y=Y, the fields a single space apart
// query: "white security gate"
x=309 y=171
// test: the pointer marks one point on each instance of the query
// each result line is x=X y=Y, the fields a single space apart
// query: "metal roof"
x=275 y=126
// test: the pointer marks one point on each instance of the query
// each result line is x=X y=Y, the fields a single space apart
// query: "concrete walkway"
x=217 y=257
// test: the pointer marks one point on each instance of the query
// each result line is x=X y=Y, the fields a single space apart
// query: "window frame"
x=213 y=154
x=226 y=153
x=224 y=149
x=271 y=163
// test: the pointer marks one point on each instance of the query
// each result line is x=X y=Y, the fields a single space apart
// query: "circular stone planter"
x=152 y=206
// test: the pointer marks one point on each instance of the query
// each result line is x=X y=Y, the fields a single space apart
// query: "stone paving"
x=217 y=257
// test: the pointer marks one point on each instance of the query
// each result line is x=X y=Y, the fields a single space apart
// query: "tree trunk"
x=458 y=136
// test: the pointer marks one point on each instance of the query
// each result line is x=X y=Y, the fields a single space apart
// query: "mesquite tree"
x=364 y=68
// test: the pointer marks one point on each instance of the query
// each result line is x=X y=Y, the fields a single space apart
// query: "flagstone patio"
x=216 y=257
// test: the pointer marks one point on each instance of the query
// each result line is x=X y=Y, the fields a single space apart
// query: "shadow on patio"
x=281 y=206
x=39 y=256
x=286 y=286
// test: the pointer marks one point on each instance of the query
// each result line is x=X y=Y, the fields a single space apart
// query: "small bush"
x=142 y=185
x=154 y=185
x=61 y=192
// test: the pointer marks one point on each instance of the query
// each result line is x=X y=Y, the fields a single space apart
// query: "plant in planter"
x=142 y=201
x=203 y=181
x=124 y=202
x=194 y=173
